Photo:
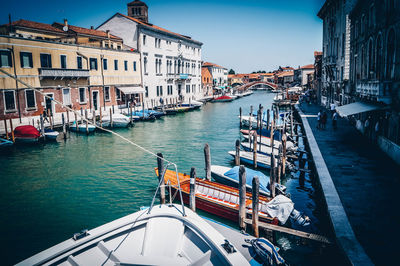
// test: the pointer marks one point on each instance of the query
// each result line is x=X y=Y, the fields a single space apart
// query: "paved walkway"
x=367 y=182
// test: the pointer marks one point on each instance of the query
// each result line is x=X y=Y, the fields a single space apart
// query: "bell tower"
x=139 y=10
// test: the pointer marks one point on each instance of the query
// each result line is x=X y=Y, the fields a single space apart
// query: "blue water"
x=49 y=192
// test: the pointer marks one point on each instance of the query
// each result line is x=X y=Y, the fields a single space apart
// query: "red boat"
x=215 y=198
x=27 y=134
x=224 y=98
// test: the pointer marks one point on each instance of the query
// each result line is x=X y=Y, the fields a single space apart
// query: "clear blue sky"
x=247 y=35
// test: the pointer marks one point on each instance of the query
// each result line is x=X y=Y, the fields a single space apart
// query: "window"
x=145 y=65
x=144 y=39
x=9 y=99
x=169 y=89
x=379 y=55
x=117 y=93
x=126 y=65
x=79 y=62
x=157 y=43
x=93 y=63
x=82 y=95
x=134 y=65
x=158 y=91
x=187 y=88
x=161 y=91
x=146 y=91
x=30 y=99
x=105 y=64
x=45 y=60
x=193 y=88
x=390 y=54
x=115 y=64
x=26 y=59
x=63 y=61
x=107 y=94
x=5 y=58
x=371 y=57
x=66 y=97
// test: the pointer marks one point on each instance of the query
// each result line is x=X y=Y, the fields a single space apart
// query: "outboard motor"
x=298 y=218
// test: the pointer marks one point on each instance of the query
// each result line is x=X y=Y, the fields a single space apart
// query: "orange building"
x=206 y=82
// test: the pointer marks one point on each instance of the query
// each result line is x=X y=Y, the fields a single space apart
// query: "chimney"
x=91 y=27
x=108 y=34
x=65 y=22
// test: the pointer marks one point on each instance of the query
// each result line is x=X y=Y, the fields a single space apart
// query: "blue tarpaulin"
x=264 y=180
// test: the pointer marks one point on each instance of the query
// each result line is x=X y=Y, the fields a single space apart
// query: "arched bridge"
x=247 y=86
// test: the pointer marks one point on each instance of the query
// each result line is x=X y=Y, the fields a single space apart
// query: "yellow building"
x=82 y=68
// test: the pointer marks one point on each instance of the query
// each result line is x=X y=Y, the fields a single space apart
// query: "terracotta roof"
x=156 y=27
x=286 y=74
x=207 y=64
x=85 y=31
x=267 y=74
x=35 y=25
x=287 y=68
x=317 y=53
x=310 y=66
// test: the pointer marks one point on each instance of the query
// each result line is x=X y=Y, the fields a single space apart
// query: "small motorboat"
x=50 y=134
x=26 y=134
x=81 y=128
x=263 y=161
x=118 y=120
x=223 y=98
x=193 y=104
x=266 y=141
x=265 y=132
x=5 y=142
x=267 y=251
x=160 y=235
x=230 y=176
x=223 y=200
x=246 y=121
x=266 y=150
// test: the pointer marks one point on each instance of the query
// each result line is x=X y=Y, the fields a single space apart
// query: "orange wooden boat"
x=216 y=198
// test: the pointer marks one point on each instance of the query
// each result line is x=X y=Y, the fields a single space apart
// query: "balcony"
x=178 y=76
x=63 y=73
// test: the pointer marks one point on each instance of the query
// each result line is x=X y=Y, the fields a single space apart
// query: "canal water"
x=49 y=192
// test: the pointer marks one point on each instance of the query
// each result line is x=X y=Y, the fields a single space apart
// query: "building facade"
x=219 y=74
x=171 y=62
x=336 y=51
x=206 y=82
x=81 y=68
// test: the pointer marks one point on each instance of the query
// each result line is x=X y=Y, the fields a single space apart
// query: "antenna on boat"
x=83 y=118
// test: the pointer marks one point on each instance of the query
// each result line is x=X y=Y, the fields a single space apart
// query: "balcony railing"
x=179 y=76
x=63 y=73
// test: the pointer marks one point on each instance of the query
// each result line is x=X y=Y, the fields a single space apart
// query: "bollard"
x=5 y=127
x=192 y=202
x=255 y=150
x=207 y=157
x=240 y=116
x=12 y=131
x=255 y=203
x=63 y=125
x=237 y=153
x=160 y=164
x=242 y=197
x=111 y=120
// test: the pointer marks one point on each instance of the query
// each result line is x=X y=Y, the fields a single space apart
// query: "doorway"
x=95 y=97
x=49 y=103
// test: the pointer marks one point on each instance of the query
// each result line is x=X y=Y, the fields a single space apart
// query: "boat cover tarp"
x=280 y=207
x=131 y=90
x=224 y=97
x=250 y=174
x=26 y=132
x=355 y=108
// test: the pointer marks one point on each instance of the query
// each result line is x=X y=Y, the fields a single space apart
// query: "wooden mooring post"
x=261 y=126
x=284 y=154
x=94 y=117
x=101 y=118
x=5 y=127
x=192 y=201
x=81 y=116
x=250 y=119
x=255 y=150
x=240 y=116
x=207 y=158
x=12 y=131
x=50 y=118
x=272 y=134
x=242 y=197
x=131 y=114
x=268 y=119
x=237 y=152
x=272 y=175
x=255 y=204
x=63 y=126
x=161 y=170
x=68 y=118
x=42 y=126
x=111 y=120
x=86 y=122
x=76 y=121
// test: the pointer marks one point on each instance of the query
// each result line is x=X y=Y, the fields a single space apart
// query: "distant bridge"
x=249 y=85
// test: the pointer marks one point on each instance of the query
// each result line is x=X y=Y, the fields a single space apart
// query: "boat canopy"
x=131 y=90
x=355 y=108
x=264 y=180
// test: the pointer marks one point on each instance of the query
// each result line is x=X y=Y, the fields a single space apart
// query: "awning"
x=355 y=108
x=131 y=90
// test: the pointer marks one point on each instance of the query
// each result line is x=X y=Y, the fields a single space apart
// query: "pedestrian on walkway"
x=324 y=119
x=333 y=107
x=367 y=127
x=334 y=119
x=319 y=119
x=45 y=118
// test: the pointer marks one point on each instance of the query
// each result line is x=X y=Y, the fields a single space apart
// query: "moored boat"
x=266 y=141
x=230 y=176
x=5 y=142
x=50 y=134
x=81 y=128
x=118 y=120
x=223 y=98
x=26 y=134
x=264 y=132
x=223 y=200
x=263 y=161
x=161 y=235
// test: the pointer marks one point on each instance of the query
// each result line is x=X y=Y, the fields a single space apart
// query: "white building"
x=171 y=62
x=219 y=74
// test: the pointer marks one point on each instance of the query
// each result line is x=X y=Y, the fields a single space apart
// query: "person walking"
x=334 y=119
x=333 y=108
x=319 y=119
x=324 y=119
